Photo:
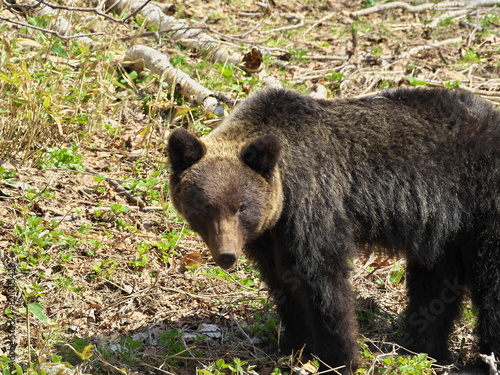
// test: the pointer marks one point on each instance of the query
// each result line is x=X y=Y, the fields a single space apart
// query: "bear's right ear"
x=262 y=154
x=184 y=149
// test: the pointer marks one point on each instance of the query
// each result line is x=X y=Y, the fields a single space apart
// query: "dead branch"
x=182 y=32
x=417 y=49
x=59 y=25
x=159 y=63
x=102 y=209
x=123 y=192
x=225 y=98
x=491 y=361
x=471 y=4
x=452 y=14
x=47 y=31
x=325 y=18
x=284 y=28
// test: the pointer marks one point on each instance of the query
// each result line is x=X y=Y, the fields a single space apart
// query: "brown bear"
x=298 y=185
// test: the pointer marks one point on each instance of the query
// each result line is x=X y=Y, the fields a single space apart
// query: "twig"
x=60 y=24
x=435 y=21
x=327 y=17
x=97 y=210
x=225 y=97
x=47 y=31
x=243 y=332
x=417 y=49
x=471 y=35
x=325 y=58
x=238 y=38
x=283 y=28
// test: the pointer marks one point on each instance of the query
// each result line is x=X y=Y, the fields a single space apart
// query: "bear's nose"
x=226 y=260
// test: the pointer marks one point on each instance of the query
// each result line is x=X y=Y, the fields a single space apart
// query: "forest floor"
x=91 y=284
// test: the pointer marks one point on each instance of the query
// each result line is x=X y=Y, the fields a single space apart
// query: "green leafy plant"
x=220 y=367
x=397 y=273
x=396 y=365
x=452 y=84
x=416 y=82
x=63 y=158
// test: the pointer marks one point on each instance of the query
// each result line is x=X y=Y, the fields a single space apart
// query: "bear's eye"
x=206 y=209
x=242 y=208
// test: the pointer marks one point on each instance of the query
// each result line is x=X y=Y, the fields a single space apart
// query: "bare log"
x=159 y=63
x=471 y=4
x=181 y=32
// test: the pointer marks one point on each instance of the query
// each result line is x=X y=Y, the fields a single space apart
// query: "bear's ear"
x=262 y=154
x=184 y=149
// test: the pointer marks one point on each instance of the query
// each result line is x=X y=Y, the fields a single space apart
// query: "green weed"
x=395 y=365
x=416 y=82
x=469 y=56
x=220 y=367
x=62 y=158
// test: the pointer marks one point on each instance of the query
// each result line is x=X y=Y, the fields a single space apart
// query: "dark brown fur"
x=299 y=184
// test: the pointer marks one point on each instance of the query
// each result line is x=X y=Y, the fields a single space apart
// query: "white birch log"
x=159 y=63
x=181 y=31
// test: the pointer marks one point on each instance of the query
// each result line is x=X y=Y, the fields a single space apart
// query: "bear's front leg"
x=314 y=301
x=335 y=325
x=318 y=313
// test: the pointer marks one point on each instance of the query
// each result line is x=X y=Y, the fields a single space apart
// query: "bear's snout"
x=226 y=260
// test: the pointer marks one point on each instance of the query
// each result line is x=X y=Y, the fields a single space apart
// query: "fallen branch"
x=98 y=210
x=181 y=32
x=471 y=4
x=123 y=192
x=284 y=28
x=417 y=49
x=159 y=63
x=58 y=24
x=452 y=14
x=48 y=31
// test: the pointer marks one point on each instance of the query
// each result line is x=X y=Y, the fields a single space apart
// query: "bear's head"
x=228 y=191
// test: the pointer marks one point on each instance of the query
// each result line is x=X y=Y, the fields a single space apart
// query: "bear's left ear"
x=262 y=154
x=183 y=150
